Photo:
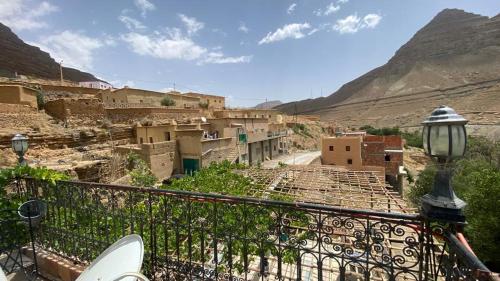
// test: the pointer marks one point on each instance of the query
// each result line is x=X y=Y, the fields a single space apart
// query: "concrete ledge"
x=54 y=266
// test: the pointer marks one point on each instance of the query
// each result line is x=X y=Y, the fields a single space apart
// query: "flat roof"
x=205 y=95
x=331 y=186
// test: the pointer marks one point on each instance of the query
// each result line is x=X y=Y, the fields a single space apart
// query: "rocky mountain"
x=268 y=104
x=454 y=49
x=17 y=56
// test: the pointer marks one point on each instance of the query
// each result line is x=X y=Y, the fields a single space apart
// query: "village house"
x=260 y=142
x=211 y=101
x=95 y=85
x=183 y=100
x=358 y=151
x=270 y=114
x=17 y=94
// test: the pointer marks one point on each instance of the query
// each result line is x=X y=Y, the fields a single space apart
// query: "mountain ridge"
x=24 y=59
x=454 y=48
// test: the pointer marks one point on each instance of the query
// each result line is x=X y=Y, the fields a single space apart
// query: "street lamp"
x=444 y=138
x=20 y=146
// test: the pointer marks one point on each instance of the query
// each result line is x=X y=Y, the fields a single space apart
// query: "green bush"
x=40 y=100
x=140 y=173
x=203 y=105
x=413 y=139
x=301 y=129
x=8 y=175
x=167 y=101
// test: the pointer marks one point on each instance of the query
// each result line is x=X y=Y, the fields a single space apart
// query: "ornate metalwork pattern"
x=193 y=236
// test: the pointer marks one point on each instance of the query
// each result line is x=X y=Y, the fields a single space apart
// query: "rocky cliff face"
x=456 y=48
x=17 y=56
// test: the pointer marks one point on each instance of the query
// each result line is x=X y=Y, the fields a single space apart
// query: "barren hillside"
x=455 y=50
x=17 y=56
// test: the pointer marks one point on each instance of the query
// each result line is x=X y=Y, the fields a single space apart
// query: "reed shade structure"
x=330 y=186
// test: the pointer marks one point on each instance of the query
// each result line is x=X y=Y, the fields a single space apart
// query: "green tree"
x=140 y=174
x=167 y=101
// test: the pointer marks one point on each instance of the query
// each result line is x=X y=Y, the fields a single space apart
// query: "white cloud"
x=372 y=20
x=174 y=45
x=291 y=8
x=330 y=9
x=144 y=6
x=75 y=49
x=342 y=1
x=192 y=25
x=353 y=23
x=131 y=23
x=314 y=30
x=16 y=14
x=164 y=46
x=219 y=58
x=294 y=30
x=243 y=28
x=349 y=24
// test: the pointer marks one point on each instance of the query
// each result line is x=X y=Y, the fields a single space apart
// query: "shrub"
x=167 y=101
x=203 y=105
x=140 y=173
x=413 y=139
x=40 y=100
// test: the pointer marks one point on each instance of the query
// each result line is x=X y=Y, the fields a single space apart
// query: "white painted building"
x=95 y=85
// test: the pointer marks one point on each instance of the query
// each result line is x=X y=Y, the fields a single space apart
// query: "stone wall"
x=15 y=94
x=75 y=139
x=161 y=157
x=218 y=150
x=76 y=111
x=131 y=115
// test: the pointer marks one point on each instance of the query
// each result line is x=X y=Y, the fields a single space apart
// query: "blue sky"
x=246 y=50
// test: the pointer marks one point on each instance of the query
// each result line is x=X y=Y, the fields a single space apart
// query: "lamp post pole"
x=444 y=139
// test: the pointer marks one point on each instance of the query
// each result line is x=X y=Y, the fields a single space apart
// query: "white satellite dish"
x=203 y=119
x=2 y=275
x=121 y=261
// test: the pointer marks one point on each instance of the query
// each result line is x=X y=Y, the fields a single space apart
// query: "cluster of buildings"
x=190 y=132
x=362 y=152
x=196 y=129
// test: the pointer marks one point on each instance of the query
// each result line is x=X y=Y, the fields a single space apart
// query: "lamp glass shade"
x=20 y=146
x=439 y=141
x=458 y=140
x=425 y=138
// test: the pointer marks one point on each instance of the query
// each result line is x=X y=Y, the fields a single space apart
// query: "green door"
x=190 y=165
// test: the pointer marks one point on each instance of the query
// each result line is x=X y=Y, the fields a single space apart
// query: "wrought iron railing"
x=193 y=236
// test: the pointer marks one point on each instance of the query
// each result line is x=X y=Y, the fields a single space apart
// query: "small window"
x=349 y=161
x=387 y=157
x=167 y=136
x=114 y=100
x=274 y=148
x=150 y=139
x=347 y=148
x=331 y=147
x=141 y=140
x=140 y=101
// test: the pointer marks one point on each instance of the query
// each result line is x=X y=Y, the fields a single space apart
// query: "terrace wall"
x=79 y=111
x=128 y=115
